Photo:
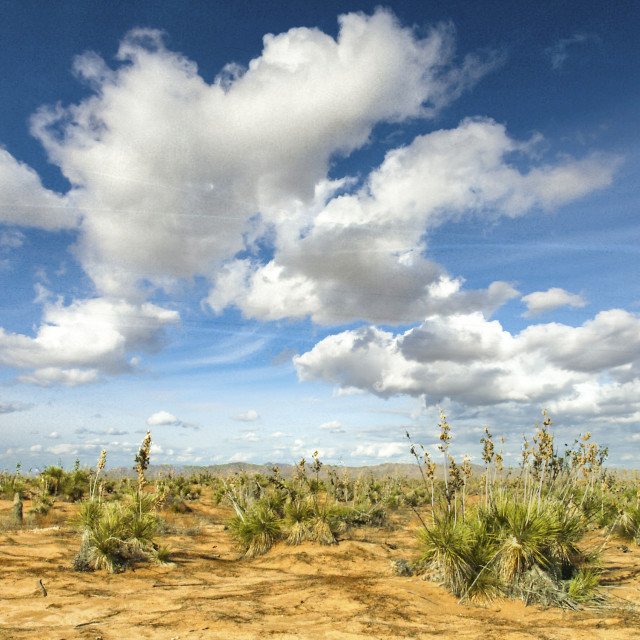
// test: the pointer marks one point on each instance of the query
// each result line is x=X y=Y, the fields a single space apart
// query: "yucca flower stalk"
x=444 y=438
x=467 y=472
x=142 y=460
x=102 y=461
x=488 y=454
x=298 y=515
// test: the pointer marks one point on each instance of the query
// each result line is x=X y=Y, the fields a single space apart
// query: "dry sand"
x=345 y=591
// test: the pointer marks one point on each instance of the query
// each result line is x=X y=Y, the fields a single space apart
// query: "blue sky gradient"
x=261 y=245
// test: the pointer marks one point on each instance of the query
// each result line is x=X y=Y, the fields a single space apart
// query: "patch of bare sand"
x=341 y=592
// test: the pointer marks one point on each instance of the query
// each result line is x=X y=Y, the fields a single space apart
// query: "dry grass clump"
x=303 y=508
x=116 y=534
x=523 y=538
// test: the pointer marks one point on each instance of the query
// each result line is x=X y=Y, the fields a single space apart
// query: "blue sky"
x=261 y=232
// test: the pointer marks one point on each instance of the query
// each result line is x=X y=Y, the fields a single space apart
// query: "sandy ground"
x=346 y=591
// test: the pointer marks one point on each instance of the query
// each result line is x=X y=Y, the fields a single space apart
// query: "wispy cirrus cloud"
x=559 y=52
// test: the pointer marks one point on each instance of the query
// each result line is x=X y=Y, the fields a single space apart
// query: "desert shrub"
x=176 y=488
x=402 y=567
x=627 y=524
x=81 y=560
x=117 y=533
x=523 y=538
x=298 y=515
x=162 y=555
x=105 y=542
x=257 y=529
x=12 y=483
x=374 y=515
x=327 y=522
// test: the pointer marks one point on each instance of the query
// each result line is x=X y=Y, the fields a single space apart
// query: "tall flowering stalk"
x=488 y=454
x=142 y=461
x=102 y=461
x=467 y=472
x=444 y=446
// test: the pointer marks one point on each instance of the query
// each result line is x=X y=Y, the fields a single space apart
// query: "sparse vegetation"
x=523 y=537
x=496 y=532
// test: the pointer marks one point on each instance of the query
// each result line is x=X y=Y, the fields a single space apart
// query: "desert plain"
x=346 y=591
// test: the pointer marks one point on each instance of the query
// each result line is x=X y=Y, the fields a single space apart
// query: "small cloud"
x=36 y=448
x=278 y=434
x=250 y=436
x=559 y=52
x=249 y=416
x=542 y=301
x=241 y=456
x=334 y=427
x=42 y=293
x=384 y=451
x=11 y=239
x=163 y=418
x=13 y=407
x=54 y=435
x=115 y=432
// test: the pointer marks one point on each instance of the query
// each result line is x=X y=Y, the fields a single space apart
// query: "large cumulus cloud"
x=363 y=256
x=169 y=170
x=469 y=359
x=172 y=177
x=78 y=343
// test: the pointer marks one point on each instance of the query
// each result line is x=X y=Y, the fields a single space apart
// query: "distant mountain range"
x=377 y=471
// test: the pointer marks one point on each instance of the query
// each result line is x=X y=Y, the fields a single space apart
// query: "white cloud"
x=248 y=416
x=377 y=237
x=54 y=435
x=77 y=343
x=48 y=376
x=249 y=436
x=384 y=450
x=36 y=448
x=334 y=426
x=12 y=239
x=159 y=160
x=72 y=449
x=474 y=361
x=162 y=418
x=25 y=202
x=241 y=456
x=541 y=301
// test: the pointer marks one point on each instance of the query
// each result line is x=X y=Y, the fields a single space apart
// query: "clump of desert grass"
x=298 y=516
x=119 y=533
x=305 y=508
x=256 y=529
x=522 y=539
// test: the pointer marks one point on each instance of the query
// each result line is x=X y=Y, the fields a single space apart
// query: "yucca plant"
x=298 y=514
x=627 y=525
x=257 y=529
x=447 y=551
x=162 y=555
x=327 y=522
x=523 y=539
x=583 y=587
x=105 y=540
x=523 y=533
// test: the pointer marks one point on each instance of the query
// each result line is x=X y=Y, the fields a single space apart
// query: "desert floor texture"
x=345 y=591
